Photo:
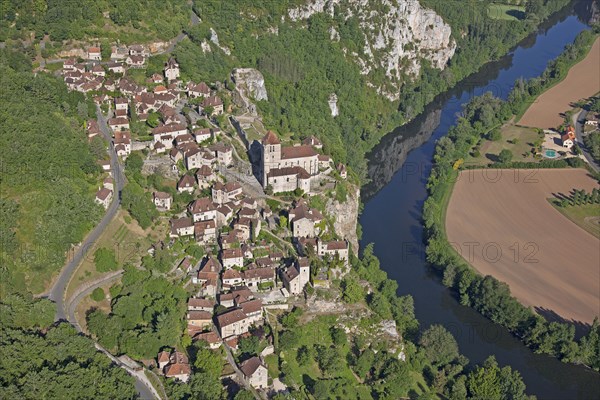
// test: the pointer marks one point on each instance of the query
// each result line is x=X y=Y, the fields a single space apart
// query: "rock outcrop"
x=250 y=85
x=398 y=36
x=333 y=105
x=346 y=216
x=250 y=82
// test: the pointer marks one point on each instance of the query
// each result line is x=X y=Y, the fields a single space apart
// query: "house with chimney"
x=94 y=54
x=205 y=232
x=305 y=221
x=568 y=137
x=232 y=257
x=203 y=209
x=104 y=197
x=174 y=365
x=186 y=184
x=225 y=193
x=334 y=248
x=211 y=102
x=197 y=90
x=181 y=227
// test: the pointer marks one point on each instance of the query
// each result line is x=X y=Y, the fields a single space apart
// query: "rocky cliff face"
x=389 y=156
x=250 y=85
x=250 y=82
x=398 y=36
x=346 y=216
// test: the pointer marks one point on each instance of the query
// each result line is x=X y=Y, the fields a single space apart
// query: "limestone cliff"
x=250 y=85
x=398 y=35
x=346 y=216
x=389 y=156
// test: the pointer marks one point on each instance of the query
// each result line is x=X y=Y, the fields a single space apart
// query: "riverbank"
x=581 y=82
x=486 y=294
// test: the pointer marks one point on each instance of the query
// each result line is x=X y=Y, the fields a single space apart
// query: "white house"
x=171 y=69
x=255 y=373
x=162 y=201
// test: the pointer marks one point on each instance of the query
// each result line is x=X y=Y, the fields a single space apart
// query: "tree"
x=244 y=395
x=495 y=135
x=505 y=156
x=339 y=337
x=352 y=291
x=283 y=222
x=304 y=355
x=134 y=162
x=439 y=345
x=249 y=345
x=105 y=260
x=98 y=294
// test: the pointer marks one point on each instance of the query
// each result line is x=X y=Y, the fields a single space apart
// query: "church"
x=287 y=168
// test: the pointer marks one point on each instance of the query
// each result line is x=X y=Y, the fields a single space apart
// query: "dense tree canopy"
x=48 y=178
x=55 y=362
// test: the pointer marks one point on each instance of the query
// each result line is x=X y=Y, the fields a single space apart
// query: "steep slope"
x=398 y=36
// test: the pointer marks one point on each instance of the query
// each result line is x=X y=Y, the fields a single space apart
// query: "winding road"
x=58 y=291
x=65 y=310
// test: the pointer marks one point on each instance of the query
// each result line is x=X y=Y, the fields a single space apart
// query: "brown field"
x=582 y=81
x=516 y=235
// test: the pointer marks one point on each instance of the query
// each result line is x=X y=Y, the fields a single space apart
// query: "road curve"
x=142 y=383
x=579 y=121
x=57 y=293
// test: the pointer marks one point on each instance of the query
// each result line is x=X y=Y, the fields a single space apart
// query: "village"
x=248 y=269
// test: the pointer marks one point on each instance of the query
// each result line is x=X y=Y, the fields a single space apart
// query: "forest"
x=49 y=174
x=46 y=360
x=81 y=19
x=486 y=294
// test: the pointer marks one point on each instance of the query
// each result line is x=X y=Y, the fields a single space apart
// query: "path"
x=578 y=122
x=83 y=290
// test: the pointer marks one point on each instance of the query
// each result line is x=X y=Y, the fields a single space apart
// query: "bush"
x=505 y=156
x=98 y=294
x=105 y=260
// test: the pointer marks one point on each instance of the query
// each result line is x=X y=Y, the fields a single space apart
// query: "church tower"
x=303 y=265
x=271 y=154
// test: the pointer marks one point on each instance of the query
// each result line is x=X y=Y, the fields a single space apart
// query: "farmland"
x=501 y=222
x=582 y=81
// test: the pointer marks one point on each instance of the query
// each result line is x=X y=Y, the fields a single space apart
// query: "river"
x=398 y=169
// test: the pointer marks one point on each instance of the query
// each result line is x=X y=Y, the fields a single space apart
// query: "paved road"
x=57 y=293
x=81 y=292
x=142 y=383
x=579 y=121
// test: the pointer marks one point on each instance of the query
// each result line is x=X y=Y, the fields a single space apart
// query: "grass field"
x=507 y=12
x=502 y=224
x=489 y=150
x=586 y=216
x=582 y=81
x=128 y=241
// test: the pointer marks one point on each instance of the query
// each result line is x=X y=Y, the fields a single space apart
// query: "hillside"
x=66 y=20
x=48 y=175
x=373 y=58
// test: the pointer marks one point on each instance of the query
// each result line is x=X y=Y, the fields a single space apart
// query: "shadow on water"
x=392 y=220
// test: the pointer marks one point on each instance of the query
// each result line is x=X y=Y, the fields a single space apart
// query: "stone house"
x=255 y=373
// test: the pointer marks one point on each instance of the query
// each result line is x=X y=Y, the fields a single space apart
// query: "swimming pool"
x=549 y=153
